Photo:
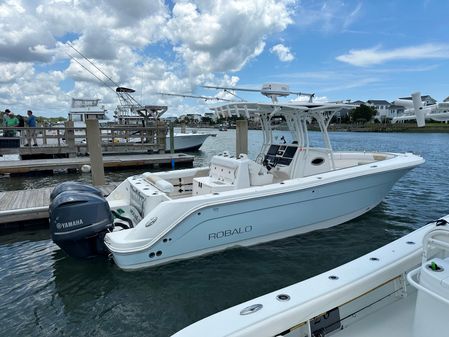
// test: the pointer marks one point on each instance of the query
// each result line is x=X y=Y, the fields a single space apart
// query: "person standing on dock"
x=11 y=121
x=5 y=118
x=31 y=131
x=21 y=125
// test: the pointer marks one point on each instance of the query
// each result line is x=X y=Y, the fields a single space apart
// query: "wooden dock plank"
x=2 y=195
x=29 y=205
x=26 y=166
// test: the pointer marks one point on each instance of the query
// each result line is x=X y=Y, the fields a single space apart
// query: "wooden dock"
x=30 y=205
x=70 y=141
x=36 y=165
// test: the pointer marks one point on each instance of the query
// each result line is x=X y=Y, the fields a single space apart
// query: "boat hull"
x=264 y=218
x=186 y=142
x=374 y=295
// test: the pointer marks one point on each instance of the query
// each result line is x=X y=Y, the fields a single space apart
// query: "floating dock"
x=36 y=165
x=30 y=205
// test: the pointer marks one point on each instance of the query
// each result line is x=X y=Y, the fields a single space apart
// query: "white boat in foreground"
x=400 y=290
x=289 y=189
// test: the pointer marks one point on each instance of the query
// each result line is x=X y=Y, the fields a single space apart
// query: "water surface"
x=44 y=292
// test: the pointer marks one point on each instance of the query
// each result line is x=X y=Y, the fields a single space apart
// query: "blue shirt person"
x=31 y=133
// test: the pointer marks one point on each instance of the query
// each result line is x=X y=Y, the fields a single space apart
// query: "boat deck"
x=395 y=320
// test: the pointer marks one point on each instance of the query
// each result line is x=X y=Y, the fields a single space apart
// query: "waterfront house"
x=395 y=111
x=190 y=118
x=382 y=107
x=427 y=99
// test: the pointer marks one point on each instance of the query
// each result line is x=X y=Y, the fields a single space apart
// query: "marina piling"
x=241 y=135
x=161 y=132
x=93 y=137
x=172 y=143
x=70 y=138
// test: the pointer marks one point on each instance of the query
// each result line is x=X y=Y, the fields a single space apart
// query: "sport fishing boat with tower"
x=131 y=113
x=288 y=189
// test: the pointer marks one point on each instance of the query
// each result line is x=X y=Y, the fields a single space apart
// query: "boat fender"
x=85 y=168
x=162 y=184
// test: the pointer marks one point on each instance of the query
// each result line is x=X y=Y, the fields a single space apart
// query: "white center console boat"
x=400 y=290
x=289 y=189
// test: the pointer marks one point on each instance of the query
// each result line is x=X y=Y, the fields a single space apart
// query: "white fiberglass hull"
x=186 y=141
x=374 y=295
x=258 y=214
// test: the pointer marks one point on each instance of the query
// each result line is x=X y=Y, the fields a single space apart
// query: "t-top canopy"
x=301 y=110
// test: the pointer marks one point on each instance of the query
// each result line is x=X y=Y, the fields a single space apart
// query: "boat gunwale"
x=338 y=292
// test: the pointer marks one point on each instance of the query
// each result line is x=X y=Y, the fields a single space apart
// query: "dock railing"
x=69 y=139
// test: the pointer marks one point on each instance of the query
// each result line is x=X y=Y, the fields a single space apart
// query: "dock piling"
x=70 y=137
x=93 y=138
x=241 y=135
x=172 y=143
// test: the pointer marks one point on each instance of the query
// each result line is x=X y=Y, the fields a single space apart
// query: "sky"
x=337 y=49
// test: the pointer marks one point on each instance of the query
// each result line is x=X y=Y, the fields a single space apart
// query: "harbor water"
x=45 y=293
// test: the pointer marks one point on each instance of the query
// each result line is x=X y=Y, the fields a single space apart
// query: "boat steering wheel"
x=268 y=165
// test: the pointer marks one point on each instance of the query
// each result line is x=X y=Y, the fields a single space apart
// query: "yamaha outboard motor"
x=79 y=219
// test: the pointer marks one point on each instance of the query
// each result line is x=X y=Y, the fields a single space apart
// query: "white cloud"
x=373 y=56
x=283 y=52
x=140 y=44
x=361 y=82
x=9 y=72
x=307 y=99
x=224 y=35
x=21 y=34
x=328 y=16
x=353 y=16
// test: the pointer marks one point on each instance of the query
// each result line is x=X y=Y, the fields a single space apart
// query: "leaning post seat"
x=225 y=173
x=259 y=175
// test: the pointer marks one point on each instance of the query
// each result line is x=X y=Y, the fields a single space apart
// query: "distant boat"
x=416 y=110
x=129 y=112
x=82 y=109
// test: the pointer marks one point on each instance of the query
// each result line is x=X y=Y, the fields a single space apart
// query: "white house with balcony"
x=427 y=99
x=395 y=110
x=382 y=107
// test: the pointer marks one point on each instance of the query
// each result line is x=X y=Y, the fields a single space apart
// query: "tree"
x=363 y=113
x=206 y=120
